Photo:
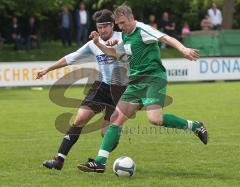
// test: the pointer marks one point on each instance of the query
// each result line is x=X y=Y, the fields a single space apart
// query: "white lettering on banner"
x=23 y=73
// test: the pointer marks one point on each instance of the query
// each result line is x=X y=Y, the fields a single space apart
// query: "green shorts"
x=147 y=90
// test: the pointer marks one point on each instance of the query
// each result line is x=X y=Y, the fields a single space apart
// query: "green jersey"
x=147 y=80
x=143 y=50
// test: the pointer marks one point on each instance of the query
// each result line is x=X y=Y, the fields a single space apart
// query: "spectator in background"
x=215 y=16
x=16 y=34
x=66 y=26
x=185 y=29
x=1 y=41
x=168 y=27
x=152 y=21
x=82 y=23
x=206 y=23
x=32 y=35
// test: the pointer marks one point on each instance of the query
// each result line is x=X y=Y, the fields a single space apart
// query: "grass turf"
x=163 y=158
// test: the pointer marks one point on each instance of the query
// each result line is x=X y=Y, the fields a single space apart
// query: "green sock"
x=109 y=140
x=172 y=121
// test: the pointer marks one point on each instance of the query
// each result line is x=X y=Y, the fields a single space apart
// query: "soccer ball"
x=124 y=166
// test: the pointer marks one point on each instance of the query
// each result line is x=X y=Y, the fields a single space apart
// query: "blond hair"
x=123 y=10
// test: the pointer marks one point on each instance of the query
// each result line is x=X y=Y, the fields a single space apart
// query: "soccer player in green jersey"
x=147 y=83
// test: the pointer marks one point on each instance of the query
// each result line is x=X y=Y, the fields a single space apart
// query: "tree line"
x=181 y=11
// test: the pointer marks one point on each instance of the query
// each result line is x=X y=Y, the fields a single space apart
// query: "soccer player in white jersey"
x=105 y=91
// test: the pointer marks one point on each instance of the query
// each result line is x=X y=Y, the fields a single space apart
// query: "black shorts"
x=103 y=96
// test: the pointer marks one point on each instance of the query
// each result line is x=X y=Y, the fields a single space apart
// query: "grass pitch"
x=163 y=158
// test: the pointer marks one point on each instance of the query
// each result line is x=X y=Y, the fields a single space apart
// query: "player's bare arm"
x=59 y=64
x=112 y=42
x=188 y=53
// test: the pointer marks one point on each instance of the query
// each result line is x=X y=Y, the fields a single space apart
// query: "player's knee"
x=155 y=121
x=114 y=117
x=80 y=122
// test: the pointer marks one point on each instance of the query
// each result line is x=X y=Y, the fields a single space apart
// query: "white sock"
x=190 y=124
x=103 y=153
x=62 y=155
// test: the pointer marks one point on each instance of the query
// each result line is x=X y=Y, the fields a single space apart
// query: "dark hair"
x=103 y=16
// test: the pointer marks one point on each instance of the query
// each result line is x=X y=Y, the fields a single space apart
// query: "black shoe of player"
x=56 y=163
x=201 y=132
x=92 y=166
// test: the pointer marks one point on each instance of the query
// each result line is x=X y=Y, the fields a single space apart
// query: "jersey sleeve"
x=81 y=53
x=149 y=34
x=119 y=48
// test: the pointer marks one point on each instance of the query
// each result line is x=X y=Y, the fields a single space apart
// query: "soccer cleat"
x=201 y=132
x=92 y=166
x=55 y=163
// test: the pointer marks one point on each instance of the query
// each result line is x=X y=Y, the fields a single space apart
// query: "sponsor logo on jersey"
x=104 y=59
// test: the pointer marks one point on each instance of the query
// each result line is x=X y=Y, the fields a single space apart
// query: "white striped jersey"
x=110 y=70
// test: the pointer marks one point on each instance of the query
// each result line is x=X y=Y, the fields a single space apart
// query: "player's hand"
x=41 y=73
x=94 y=36
x=190 y=54
x=112 y=42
